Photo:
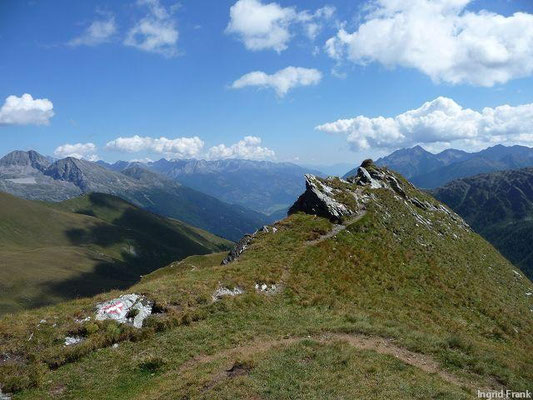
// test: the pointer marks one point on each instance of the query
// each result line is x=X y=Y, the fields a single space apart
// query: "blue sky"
x=146 y=70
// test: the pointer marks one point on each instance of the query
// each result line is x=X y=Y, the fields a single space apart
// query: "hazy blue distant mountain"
x=499 y=206
x=26 y=175
x=497 y=158
x=329 y=170
x=411 y=162
x=428 y=170
x=262 y=186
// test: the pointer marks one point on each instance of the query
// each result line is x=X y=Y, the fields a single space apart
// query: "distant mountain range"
x=263 y=186
x=428 y=170
x=32 y=176
x=499 y=206
x=84 y=246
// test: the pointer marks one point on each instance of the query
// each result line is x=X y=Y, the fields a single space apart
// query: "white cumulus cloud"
x=282 y=81
x=156 y=32
x=442 y=39
x=248 y=148
x=268 y=26
x=86 y=151
x=185 y=147
x=26 y=110
x=98 y=32
x=441 y=121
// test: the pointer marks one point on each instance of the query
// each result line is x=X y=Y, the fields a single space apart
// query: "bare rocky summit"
x=344 y=200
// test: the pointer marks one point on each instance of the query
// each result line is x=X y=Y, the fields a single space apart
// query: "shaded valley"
x=87 y=245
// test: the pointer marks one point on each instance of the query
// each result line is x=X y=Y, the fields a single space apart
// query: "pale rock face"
x=318 y=199
x=225 y=292
x=119 y=308
x=367 y=179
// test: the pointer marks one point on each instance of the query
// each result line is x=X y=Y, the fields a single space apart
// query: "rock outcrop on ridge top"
x=342 y=199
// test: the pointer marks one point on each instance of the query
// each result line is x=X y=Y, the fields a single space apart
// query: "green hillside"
x=499 y=206
x=388 y=295
x=85 y=246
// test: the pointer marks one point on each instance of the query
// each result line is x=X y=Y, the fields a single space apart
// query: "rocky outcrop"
x=25 y=158
x=338 y=199
x=368 y=174
x=239 y=248
x=319 y=199
x=343 y=200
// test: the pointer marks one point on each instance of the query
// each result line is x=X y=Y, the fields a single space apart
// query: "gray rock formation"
x=72 y=340
x=319 y=199
x=22 y=162
x=239 y=248
x=342 y=200
x=338 y=199
x=127 y=309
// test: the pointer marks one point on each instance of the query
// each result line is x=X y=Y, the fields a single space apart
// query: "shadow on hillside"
x=136 y=244
x=105 y=276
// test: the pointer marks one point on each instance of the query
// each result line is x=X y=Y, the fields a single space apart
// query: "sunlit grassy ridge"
x=424 y=281
x=87 y=245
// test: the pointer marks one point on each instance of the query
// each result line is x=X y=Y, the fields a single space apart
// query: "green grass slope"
x=87 y=245
x=402 y=302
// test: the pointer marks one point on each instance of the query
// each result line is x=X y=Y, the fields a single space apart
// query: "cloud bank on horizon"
x=438 y=122
x=249 y=148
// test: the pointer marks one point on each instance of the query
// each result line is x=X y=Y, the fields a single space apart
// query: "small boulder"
x=224 y=292
x=71 y=340
x=121 y=308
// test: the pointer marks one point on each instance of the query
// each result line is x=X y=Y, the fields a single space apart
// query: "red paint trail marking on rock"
x=114 y=308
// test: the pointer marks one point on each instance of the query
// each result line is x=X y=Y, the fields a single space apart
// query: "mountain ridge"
x=263 y=186
x=429 y=170
x=406 y=272
x=71 y=177
x=499 y=206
